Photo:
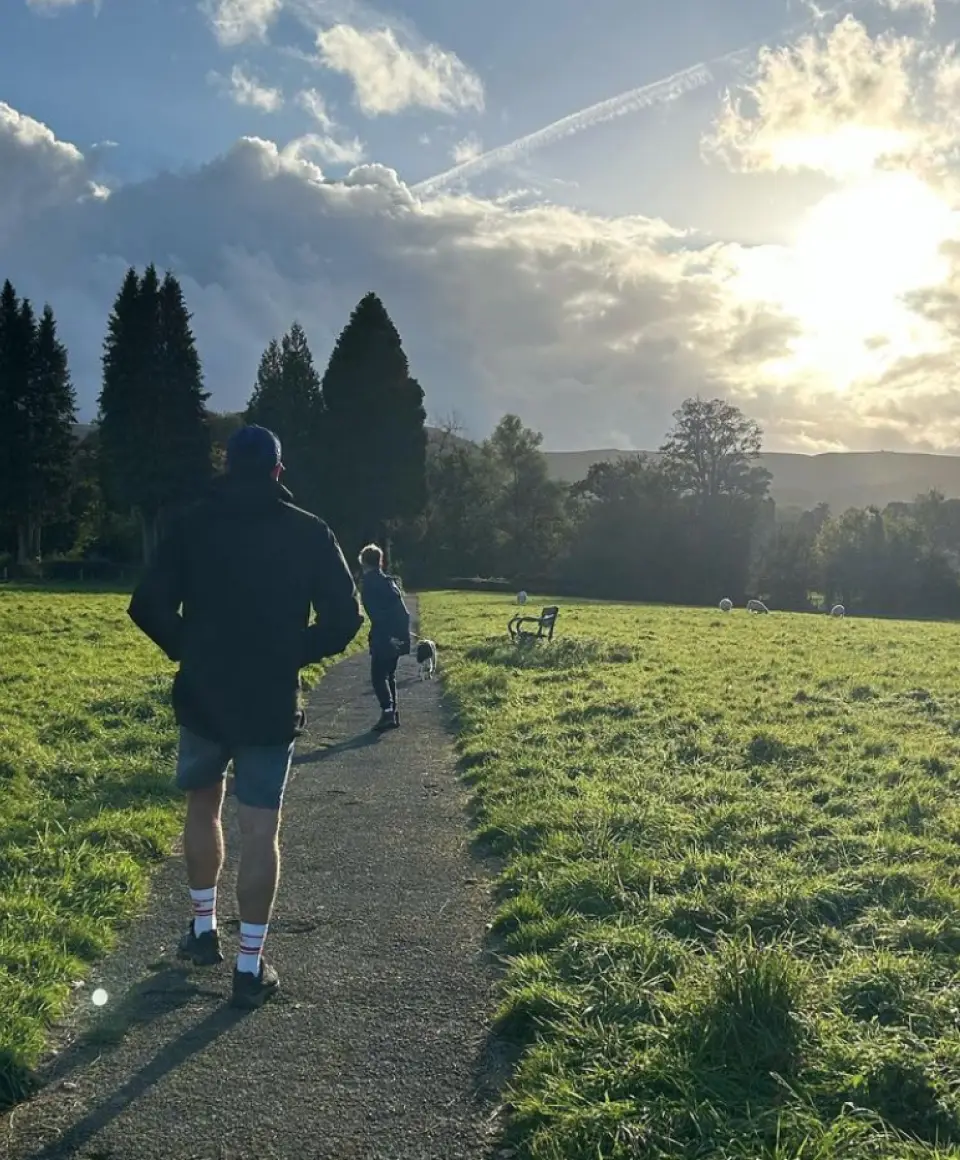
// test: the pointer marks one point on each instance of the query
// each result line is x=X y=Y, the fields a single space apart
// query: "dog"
x=427 y=659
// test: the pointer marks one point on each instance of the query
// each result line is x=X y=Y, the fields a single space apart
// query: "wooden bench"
x=544 y=623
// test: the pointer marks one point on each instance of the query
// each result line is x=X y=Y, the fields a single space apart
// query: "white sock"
x=252 y=938
x=204 y=910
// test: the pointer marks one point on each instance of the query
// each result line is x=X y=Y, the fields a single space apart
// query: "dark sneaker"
x=389 y=720
x=203 y=950
x=251 y=991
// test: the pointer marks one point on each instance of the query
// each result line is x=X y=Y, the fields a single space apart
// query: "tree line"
x=354 y=439
x=692 y=523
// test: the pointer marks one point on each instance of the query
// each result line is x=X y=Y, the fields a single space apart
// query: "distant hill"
x=841 y=479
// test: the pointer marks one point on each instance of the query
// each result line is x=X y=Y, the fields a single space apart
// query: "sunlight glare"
x=847 y=151
x=855 y=255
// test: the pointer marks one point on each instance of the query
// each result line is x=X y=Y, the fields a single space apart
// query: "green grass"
x=87 y=803
x=731 y=898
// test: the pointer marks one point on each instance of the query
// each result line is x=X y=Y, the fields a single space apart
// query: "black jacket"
x=229 y=596
x=380 y=602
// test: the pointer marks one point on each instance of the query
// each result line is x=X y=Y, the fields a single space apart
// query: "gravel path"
x=377 y=1046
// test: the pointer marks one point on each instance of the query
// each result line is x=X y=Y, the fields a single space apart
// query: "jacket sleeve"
x=375 y=598
x=155 y=605
x=334 y=598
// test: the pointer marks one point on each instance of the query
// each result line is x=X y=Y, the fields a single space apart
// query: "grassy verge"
x=87 y=806
x=732 y=898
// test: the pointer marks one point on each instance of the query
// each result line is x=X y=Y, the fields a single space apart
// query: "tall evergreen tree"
x=154 y=439
x=286 y=398
x=187 y=437
x=50 y=416
x=266 y=403
x=375 y=428
x=16 y=349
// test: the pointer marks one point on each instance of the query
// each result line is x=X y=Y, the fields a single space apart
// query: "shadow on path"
x=195 y=1039
x=165 y=990
x=325 y=752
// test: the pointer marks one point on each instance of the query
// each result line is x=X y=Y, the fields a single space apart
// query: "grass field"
x=87 y=806
x=731 y=903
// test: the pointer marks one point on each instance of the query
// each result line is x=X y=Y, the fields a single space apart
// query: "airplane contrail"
x=655 y=93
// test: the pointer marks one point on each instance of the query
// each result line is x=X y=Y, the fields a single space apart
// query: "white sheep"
x=726 y=605
x=521 y=597
x=838 y=610
x=756 y=606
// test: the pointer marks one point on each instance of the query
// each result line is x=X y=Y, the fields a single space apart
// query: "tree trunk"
x=148 y=537
x=28 y=541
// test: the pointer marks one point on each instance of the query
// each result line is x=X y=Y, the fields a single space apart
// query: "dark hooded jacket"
x=228 y=597
x=385 y=607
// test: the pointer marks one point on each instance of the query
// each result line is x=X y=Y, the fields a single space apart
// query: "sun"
x=854 y=258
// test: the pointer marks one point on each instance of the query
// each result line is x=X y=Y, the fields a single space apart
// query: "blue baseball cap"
x=253 y=449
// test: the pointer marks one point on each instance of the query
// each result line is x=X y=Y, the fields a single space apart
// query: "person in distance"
x=389 y=633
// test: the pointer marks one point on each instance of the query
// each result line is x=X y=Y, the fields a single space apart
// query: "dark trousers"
x=383 y=674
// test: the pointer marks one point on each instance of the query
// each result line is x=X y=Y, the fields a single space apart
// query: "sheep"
x=726 y=604
x=838 y=610
x=521 y=597
x=756 y=606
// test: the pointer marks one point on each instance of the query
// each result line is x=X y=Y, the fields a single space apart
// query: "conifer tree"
x=286 y=398
x=36 y=422
x=374 y=423
x=51 y=414
x=154 y=438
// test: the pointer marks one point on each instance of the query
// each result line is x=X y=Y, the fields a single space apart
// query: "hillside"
x=841 y=479
x=848 y=479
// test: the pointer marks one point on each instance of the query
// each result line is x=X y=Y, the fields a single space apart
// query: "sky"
x=579 y=213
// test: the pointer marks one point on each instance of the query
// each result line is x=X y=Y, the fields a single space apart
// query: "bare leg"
x=203 y=836
x=259 y=863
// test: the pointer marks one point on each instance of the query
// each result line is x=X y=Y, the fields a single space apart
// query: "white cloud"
x=389 y=77
x=581 y=323
x=837 y=104
x=37 y=171
x=244 y=89
x=325 y=148
x=469 y=149
x=329 y=145
x=236 y=21
x=316 y=106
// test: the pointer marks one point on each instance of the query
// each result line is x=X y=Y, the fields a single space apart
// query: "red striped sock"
x=252 y=938
x=204 y=909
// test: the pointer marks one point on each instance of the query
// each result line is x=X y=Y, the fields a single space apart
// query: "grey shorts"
x=260 y=771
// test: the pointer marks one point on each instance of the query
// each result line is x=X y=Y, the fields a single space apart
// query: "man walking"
x=228 y=597
x=389 y=633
